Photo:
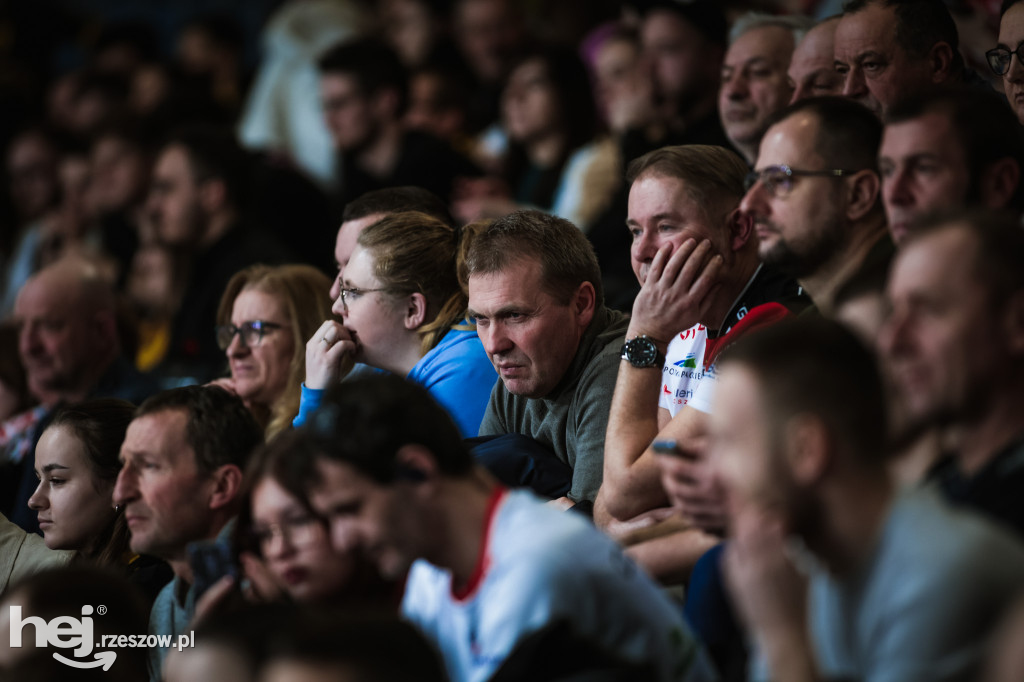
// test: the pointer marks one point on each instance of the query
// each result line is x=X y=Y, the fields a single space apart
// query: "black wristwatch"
x=642 y=352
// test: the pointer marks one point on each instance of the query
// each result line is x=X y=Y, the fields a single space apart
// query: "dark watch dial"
x=641 y=352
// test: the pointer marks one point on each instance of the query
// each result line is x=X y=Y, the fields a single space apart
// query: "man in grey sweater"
x=535 y=292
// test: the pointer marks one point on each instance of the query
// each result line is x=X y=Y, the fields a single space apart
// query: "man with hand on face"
x=900 y=585
x=181 y=480
x=487 y=567
x=702 y=286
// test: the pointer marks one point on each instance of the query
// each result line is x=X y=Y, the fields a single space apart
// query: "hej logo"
x=64 y=632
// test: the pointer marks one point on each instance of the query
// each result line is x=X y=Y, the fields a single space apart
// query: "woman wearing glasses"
x=404 y=311
x=1005 y=58
x=265 y=316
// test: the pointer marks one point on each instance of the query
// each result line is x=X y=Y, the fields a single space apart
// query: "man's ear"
x=862 y=194
x=940 y=62
x=741 y=228
x=808 y=447
x=227 y=486
x=213 y=194
x=584 y=303
x=415 y=310
x=998 y=183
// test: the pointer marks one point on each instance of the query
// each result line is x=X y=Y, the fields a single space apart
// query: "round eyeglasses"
x=251 y=332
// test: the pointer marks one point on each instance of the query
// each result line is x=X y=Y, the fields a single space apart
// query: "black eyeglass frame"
x=251 y=332
x=990 y=58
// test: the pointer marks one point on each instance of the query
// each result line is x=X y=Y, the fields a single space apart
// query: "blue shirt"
x=460 y=376
x=456 y=371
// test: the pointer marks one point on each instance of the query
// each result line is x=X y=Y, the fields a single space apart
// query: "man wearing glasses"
x=815 y=196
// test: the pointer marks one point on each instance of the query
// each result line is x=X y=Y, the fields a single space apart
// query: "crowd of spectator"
x=502 y=340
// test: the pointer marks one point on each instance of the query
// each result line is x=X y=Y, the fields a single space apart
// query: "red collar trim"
x=760 y=316
x=483 y=562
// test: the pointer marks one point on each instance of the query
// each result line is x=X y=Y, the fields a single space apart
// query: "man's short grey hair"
x=799 y=25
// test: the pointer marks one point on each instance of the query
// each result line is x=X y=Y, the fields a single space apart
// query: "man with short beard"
x=954 y=341
x=894 y=584
x=815 y=195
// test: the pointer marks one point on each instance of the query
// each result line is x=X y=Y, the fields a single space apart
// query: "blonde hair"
x=416 y=253
x=304 y=290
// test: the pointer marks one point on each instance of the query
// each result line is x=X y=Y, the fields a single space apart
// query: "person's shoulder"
x=605 y=348
x=162 y=614
x=531 y=532
x=614 y=324
x=942 y=545
x=608 y=333
x=424 y=577
x=464 y=339
x=23 y=554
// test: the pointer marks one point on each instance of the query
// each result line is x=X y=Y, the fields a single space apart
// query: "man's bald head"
x=66 y=314
x=812 y=71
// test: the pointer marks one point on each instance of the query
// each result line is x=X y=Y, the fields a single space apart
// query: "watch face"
x=641 y=352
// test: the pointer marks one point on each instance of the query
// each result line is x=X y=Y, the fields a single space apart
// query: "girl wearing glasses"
x=265 y=316
x=285 y=547
x=403 y=303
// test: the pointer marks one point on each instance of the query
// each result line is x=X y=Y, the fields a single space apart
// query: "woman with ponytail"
x=403 y=304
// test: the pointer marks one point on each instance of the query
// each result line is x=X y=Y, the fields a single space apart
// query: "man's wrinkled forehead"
x=871 y=30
